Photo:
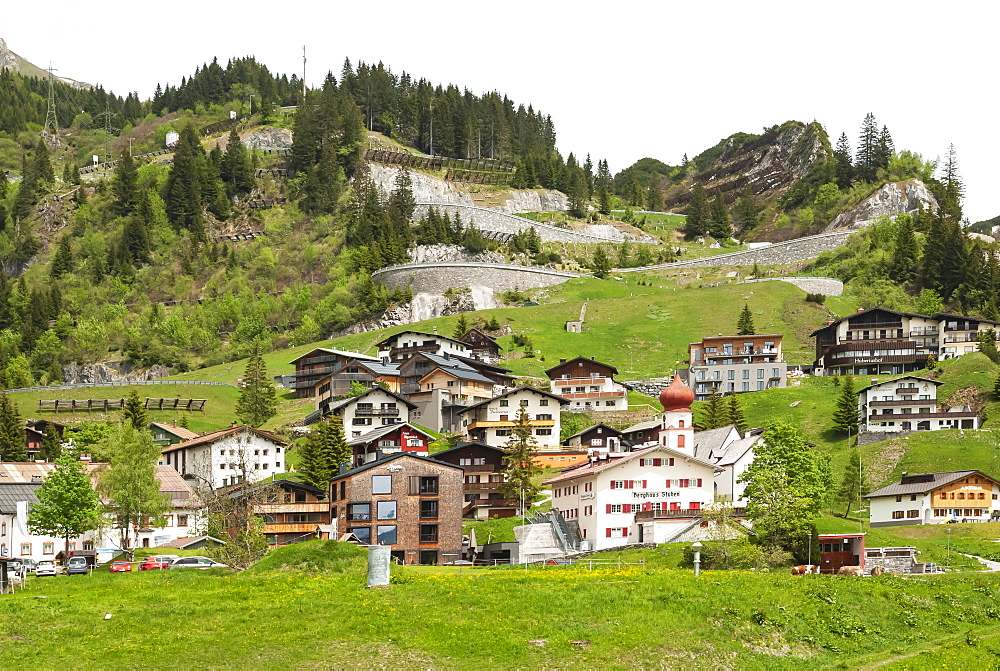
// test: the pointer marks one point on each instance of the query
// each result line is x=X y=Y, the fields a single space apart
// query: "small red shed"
x=836 y=550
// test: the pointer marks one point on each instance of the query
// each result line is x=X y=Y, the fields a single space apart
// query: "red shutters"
x=657 y=462
x=630 y=484
x=671 y=460
x=644 y=484
x=613 y=484
x=695 y=505
x=699 y=482
x=626 y=507
x=684 y=483
x=647 y=506
x=608 y=532
x=609 y=508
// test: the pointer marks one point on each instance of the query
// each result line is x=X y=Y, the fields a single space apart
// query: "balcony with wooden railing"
x=888 y=404
x=920 y=416
x=481 y=485
x=376 y=412
x=497 y=424
x=595 y=394
x=680 y=512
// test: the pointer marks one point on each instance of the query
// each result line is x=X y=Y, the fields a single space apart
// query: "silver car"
x=196 y=562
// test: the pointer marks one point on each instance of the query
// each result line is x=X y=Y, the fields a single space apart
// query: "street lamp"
x=697 y=557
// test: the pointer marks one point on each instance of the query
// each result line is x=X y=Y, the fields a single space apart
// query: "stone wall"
x=490 y=219
x=812 y=285
x=779 y=253
x=436 y=278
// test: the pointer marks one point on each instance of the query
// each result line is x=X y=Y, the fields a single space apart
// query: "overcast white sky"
x=622 y=80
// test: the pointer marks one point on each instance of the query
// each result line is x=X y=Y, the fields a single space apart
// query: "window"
x=182 y=520
x=88 y=545
x=614 y=508
x=503 y=432
x=746 y=373
x=361 y=421
x=746 y=386
x=25 y=549
x=615 y=532
x=912 y=513
x=523 y=403
x=3 y=529
x=760 y=385
x=359 y=512
x=760 y=373
x=387 y=534
x=386 y=510
x=543 y=432
x=429 y=509
x=381 y=484
x=897 y=514
x=544 y=402
x=544 y=418
x=775 y=372
x=731 y=374
x=424 y=484
x=428 y=533
x=364 y=534
x=48 y=548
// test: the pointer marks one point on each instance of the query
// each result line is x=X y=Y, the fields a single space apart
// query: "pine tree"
x=850 y=483
x=715 y=412
x=577 y=194
x=62 y=261
x=745 y=324
x=845 y=417
x=747 y=210
x=951 y=200
x=602 y=264
x=698 y=214
x=12 y=438
x=905 y=251
x=461 y=327
x=258 y=401
x=323 y=451
x=183 y=199
x=235 y=168
x=845 y=167
x=520 y=470
x=126 y=186
x=135 y=411
x=736 y=415
x=67 y=505
x=42 y=168
x=720 y=228
x=866 y=162
x=996 y=388
x=884 y=150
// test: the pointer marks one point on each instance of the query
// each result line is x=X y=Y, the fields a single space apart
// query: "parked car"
x=157 y=562
x=46 y=567
x=120 y=567
x=29 y=565
x=77 y=566
x=196 y=562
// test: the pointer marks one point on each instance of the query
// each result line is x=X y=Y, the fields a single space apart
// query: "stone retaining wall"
x=492 y=220
x=812 y=285
x=436 y=278
x=779 y=253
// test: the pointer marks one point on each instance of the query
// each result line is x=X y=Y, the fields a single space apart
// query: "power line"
x=50 y=113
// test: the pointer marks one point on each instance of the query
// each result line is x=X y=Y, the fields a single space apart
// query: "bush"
x=815 y=298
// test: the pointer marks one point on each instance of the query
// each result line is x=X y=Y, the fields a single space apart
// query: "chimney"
x=84 y=457
x=593 y=358
x=861 y=309
x=36 y=478
x=175 y=422
x=343 y=469
x=562 y=360
x=232 y=425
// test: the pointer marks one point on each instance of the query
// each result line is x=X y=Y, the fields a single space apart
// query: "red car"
x=156 y=562
x=120 y=567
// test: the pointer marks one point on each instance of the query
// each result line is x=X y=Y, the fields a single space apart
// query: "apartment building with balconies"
x=483 y=466
x=374 y=408
x=909 y=403
x=313 y=367
x=492 y=421
x=879 y=341
x=736 y=364
x=401 y=346
x=588 y=385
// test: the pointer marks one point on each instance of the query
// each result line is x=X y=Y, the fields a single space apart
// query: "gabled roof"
x=349 y=355
x=182 y=543
x=11 y=493
x=215 y=436
x=864 y=312
x=705 y=442
x=735 y=450
x=295 y=484
x=444 y=361
x=378 y=367
x=468 y=444
x=419 y=333
x=386 y=429
x=897 y=379
x=353 y=399
x=611 y=429
x=643 y=426
x=925 y=482
x=560 y=399
x=583 y=358
x=595 y=467
x=460 y=374
x=179 y=431
x=480 y=332
x=738 y=337
x=391 y=457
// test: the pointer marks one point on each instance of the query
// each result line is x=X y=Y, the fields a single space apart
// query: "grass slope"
x=485 y=618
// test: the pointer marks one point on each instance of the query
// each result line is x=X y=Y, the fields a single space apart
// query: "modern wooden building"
x=909 y=403
x=483 y=466
x=412 y=504
x=481 y=345
x=316 y=365
x=736 y=364
x=936 y=498
x=599 y=437
x=588 y=385
x=296 y=513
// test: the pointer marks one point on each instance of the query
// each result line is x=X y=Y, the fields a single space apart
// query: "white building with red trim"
x=653 y=495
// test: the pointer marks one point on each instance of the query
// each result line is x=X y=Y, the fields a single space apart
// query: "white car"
x=46 y=567
x=197 y=562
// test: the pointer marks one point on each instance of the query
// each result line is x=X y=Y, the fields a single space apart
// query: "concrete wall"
x=489 y=219
x=779 y=253
x=812 y=285
x=436 y=278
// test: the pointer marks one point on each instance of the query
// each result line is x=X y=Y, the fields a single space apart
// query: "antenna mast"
x=50 y=113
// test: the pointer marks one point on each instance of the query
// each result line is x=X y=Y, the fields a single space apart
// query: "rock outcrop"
x=887 y=201
x=269 y=138
x=113 y=371
x=426 y=306
x=440 y=253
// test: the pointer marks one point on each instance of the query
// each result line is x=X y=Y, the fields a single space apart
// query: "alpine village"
x=417 y=390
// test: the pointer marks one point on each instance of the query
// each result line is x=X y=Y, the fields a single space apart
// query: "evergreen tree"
x=715 y=412
x=603 y=201
x=720 y=228
x=866 y=162
x=323 y=451
x=129 y=484
x=461 y=327
x=67 y=505
x=236 y=168
x=744 y=326
x=42 y=168
x=126 y=186
x=26 y=197
x=884 y=149
x=135 y=412
x=520 y=470
x=577 y=194
x=845 y=167
x=602 y=264
x=996 y=388
x=698 y=214
x=62 y=261
x=905 y=252
x=323 y=184
x=736 y=415
x=134 y=244
x=988 y=344
x=258 y=401
x=934 y=248
x=954 y=189
x=12 y=437
x=183 y=199
x=845 y=417
x=747 y=210
x=850 y=483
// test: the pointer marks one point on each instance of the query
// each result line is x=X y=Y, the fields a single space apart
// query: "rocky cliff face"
x=443 y=253
x=770 y=164
x=114 y=371
x=887 y=201
x=13 y=62
x=429 y=189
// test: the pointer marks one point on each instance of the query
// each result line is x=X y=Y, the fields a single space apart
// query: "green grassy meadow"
x=307 y=606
